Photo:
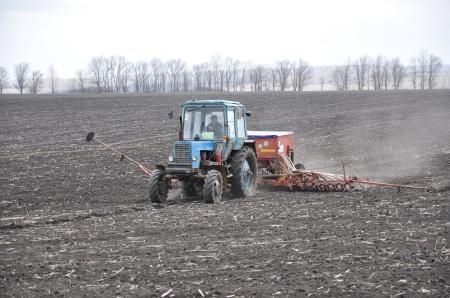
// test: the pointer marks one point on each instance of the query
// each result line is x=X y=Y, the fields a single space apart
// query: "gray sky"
x=66 y=33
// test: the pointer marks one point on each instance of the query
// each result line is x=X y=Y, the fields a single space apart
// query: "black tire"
x=213 y=187
x=299 y=166
x=158 y=188
x=188 y=188
x=244 y=168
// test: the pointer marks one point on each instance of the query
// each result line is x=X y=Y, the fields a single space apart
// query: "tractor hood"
x=188 y=152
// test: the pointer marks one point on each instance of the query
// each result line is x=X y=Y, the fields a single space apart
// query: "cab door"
x=240 y=131
x=231 y=124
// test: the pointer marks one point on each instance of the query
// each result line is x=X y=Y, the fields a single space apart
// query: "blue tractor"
x=213 y=153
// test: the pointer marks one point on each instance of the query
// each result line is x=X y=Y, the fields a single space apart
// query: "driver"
x=216 y=127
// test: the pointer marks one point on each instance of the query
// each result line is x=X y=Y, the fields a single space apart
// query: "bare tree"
x=22 y=70
x=294 y=76
x=228 y=73
x=243 y=79
x=108 y=73
x=141 y=77
x=301 y=73
x=215 y=69
x=361 y=66
x=209 y=76
x=172 y=71
x=369 y=69
x=136 y=77
x=199 y=76
x=163 y=78
x=235 y=76
x=221 y=75
x=283 y=70
x=95 y=72
x=120 y=71
x=377 y=73
x=116 y=74
x=187 y=78
x=322 y=82
x=398 y=72
x=423 y=68
x=257 y=77
x=80 y=81
x=157 y=69
x=73 y=84
x=36 y=81
x=338 y=77
x=413 y=71
x=385 y=74
x=125 y=77
x=52 y=79
x=266 y=79
x=274 y=76
x=3 y=79
x=434 y=65
x=346 y=74
x=175 y=69
x=305 y=73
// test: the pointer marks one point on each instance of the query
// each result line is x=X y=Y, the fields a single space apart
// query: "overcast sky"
x=66 y=33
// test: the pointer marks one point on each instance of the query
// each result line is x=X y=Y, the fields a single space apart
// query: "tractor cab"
x=210 y=130
x=213 y=152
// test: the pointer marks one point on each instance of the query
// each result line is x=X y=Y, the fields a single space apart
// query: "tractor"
x=213 y=153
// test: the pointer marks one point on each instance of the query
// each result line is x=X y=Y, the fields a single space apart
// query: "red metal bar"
x=305 y=179
x=382 y=184
x=124 y=156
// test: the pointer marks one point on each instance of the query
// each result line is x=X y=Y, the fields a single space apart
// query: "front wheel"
x=244 y=168
x=213 y=187
x=158 y=188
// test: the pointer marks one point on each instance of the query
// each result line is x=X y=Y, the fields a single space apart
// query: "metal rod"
x=140 y=166
x=391 y=185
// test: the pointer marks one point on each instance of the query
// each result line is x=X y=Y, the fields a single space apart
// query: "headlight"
x=170 y=158
x=194 y=158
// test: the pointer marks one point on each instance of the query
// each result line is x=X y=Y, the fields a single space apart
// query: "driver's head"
x=213 y=118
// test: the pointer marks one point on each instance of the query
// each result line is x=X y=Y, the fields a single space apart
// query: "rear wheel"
x=213 y=187
x=158 y=187
x=244 y=169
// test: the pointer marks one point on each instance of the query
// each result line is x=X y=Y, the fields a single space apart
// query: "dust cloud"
x=402 y=142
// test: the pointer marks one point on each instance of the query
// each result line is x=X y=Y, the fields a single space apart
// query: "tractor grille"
x=183 y=153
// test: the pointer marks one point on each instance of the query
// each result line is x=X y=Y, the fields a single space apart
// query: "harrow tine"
x=287 y=176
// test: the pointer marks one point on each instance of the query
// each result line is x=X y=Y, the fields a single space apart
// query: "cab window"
x=240 y=123
x=231 y=126
x=203 y=123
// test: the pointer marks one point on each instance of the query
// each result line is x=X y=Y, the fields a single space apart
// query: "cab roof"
x=212 y=102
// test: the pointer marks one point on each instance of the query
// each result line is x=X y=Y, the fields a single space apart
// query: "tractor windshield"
x=203 y=123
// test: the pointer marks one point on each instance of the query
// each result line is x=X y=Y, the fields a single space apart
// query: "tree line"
x=382 y=73
x=116 y=74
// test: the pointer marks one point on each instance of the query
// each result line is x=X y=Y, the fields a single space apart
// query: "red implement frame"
x=283 y=174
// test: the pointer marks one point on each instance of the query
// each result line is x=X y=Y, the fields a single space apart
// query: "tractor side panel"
x=200 y=146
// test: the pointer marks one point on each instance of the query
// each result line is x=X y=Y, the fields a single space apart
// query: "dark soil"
x=76 y=221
